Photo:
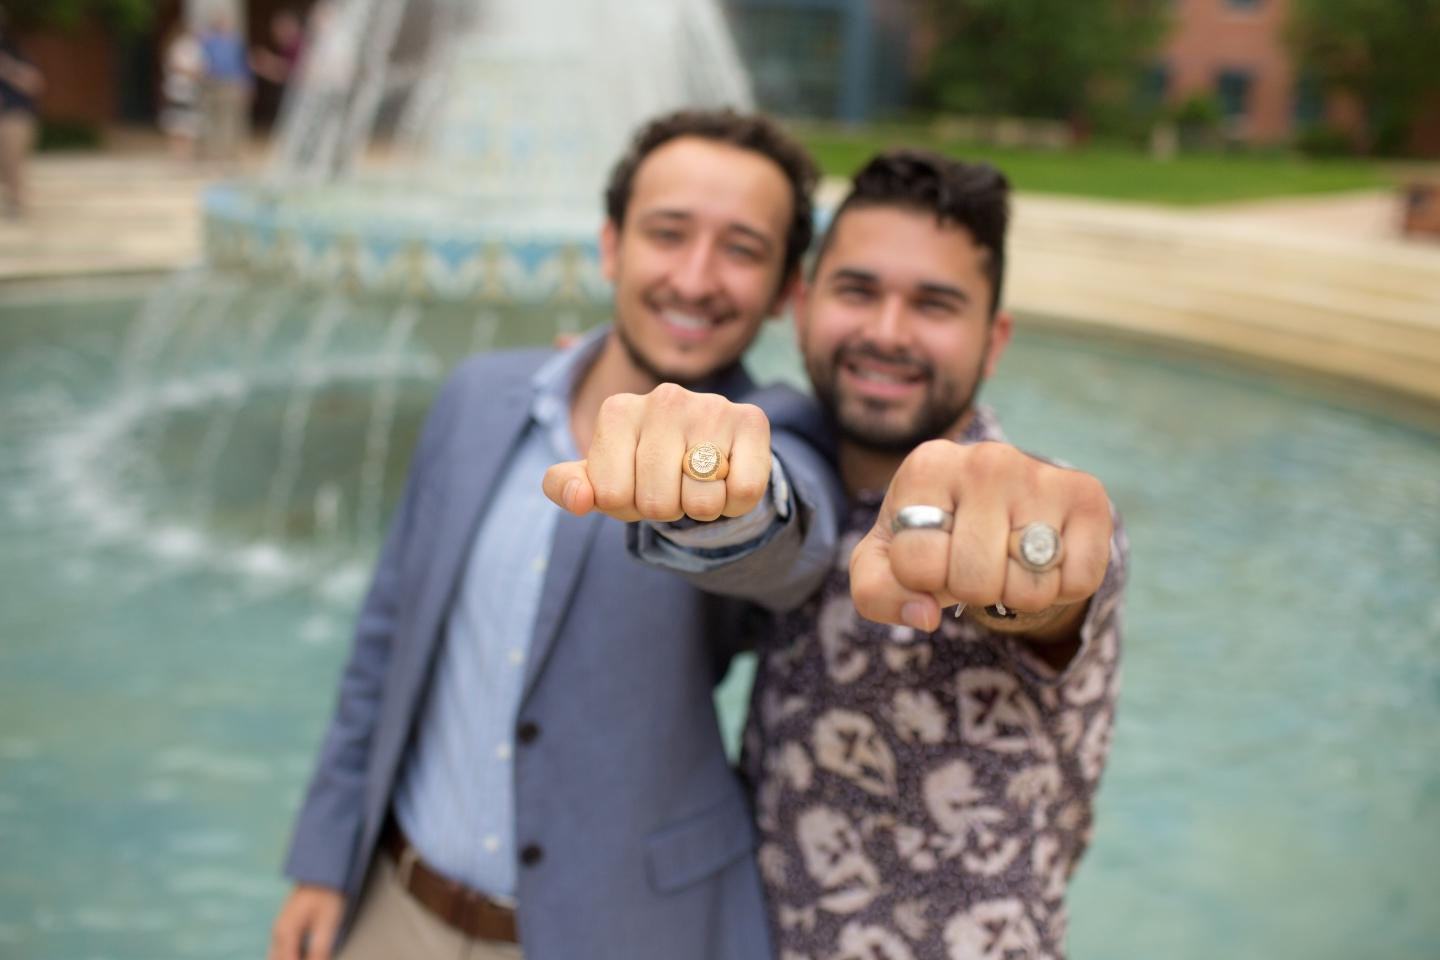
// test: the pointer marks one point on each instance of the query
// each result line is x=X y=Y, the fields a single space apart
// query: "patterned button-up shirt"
x=925 y=796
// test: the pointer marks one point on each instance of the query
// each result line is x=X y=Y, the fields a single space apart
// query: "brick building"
x=1235 y=51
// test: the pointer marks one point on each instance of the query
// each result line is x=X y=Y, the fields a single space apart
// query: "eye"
x=665 y=236
x=854 y=293
x=937 y=307
x=746 y=253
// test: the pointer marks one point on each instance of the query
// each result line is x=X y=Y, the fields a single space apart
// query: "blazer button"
x=531 y=855
x=528 y=732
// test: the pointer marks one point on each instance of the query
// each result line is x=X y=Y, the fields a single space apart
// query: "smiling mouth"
x=689 y=326
x=880 y=379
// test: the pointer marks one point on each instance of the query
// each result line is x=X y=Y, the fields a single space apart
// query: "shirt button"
x=531 y=855
x=517 y=657
x=502 y=751
x=538 y=564
x=528 y=732
x=492 y=843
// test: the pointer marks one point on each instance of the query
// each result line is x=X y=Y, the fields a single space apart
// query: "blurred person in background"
x=183 y=74
x=225 y=89
x=20 y=85
x=277 y=63
x=525 y=754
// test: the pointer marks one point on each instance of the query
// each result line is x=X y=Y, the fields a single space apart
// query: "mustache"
x=899 y=358
x=714 y=307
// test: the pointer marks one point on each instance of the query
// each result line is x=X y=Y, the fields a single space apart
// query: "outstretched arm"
x=766 y=532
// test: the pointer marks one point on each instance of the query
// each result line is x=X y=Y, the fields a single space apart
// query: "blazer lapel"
x=574 y=537
x=491 y=432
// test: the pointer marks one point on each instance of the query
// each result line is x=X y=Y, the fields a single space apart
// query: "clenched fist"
x=635 y=466
x=993 y=490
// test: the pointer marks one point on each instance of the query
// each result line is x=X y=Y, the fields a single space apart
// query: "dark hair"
x=747 y=131
x=975 y=196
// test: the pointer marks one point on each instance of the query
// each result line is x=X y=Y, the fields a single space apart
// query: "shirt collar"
x=554 y=383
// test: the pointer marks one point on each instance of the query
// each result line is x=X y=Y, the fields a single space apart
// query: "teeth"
x=877 y=376
x=686 y=321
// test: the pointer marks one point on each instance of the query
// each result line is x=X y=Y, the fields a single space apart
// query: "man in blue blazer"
x=524 y=756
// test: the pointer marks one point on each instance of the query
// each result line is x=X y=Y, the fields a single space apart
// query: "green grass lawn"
x=1116 y=173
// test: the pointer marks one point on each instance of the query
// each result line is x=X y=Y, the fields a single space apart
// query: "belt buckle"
x=405 y=868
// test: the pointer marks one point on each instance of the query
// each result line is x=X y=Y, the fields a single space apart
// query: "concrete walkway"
x=1322 y=284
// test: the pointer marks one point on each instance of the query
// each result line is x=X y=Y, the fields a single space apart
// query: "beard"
x=869 y=423
x=648 y=366
x=643 y=363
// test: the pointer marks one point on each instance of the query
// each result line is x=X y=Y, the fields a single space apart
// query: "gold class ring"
x=705 y=461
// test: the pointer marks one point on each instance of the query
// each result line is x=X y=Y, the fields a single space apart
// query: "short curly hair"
x=747 y=131
x=975 y=196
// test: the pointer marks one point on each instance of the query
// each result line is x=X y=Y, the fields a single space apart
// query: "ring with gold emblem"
x=705 y=461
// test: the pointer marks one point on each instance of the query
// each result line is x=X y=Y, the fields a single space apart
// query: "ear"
x=609 y=249
x=786 y=296
x=1002 y=328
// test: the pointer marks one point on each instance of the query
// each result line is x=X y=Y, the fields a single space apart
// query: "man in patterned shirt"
x=923 y=782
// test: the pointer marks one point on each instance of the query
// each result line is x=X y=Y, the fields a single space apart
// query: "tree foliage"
x=1061 y=59
x=1382 y=51
x=63 y=14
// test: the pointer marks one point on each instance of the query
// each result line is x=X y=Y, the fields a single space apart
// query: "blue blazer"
x=621 y=780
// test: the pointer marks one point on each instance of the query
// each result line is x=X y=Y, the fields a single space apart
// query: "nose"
x=887 y=325
x=695 y=276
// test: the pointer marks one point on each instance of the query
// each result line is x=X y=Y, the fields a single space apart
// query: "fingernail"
x=568 y=494
x=914 y=614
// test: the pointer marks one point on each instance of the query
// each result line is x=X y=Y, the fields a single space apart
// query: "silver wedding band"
x=922 y=517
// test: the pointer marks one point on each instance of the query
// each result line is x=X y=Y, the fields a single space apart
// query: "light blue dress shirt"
x=455 y=798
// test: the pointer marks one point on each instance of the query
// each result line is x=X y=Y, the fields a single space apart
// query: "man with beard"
x=923 y=782
x=525 y=753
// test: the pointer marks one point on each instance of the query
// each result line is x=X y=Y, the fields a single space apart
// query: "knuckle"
x=655 y=506
x=668 y=395
x=751 y=417
x=748 y=491
x=616 y=409
x=1090 y=495
x=609 y=497
x=933 y=454
x=704 y=509
x=989 y=454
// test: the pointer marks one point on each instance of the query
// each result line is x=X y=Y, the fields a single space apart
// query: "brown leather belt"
x=467 y=910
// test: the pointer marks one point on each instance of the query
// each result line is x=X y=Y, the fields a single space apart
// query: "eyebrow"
x=670 y=214
x=925 y=287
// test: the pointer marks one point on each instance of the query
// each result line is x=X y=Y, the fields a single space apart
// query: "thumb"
x=878 y=596
x=568 y=486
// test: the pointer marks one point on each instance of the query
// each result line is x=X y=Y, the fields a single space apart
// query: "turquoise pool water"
x=172 y=618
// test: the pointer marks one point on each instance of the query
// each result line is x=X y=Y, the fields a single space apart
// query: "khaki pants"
x=17 y=137
x=390 y=925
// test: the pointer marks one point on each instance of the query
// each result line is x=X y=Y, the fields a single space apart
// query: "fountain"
x=193 y=490
x=508 y=113
x=436 y=188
